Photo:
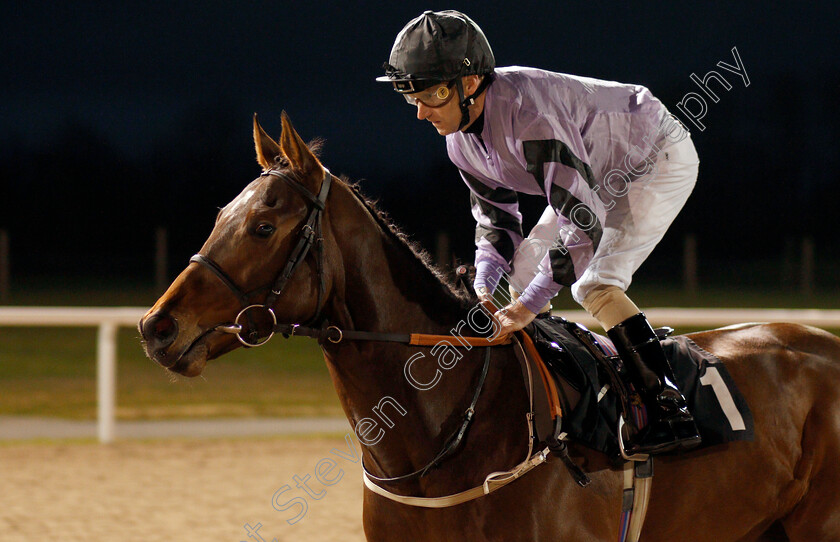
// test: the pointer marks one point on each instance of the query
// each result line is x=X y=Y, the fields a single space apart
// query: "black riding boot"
x=670 y=426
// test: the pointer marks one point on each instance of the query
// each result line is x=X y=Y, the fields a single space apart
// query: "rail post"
x=4 y=267
x=161 y=260
x=106 y=378
x=690 y=282
x=807 y=271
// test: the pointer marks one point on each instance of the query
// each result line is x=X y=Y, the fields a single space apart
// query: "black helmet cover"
x=437 y=46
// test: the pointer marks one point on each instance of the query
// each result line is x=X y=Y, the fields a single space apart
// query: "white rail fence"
x=109 y=319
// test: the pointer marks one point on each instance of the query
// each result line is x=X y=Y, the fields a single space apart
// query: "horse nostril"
x=164 y=327
x=161 y=329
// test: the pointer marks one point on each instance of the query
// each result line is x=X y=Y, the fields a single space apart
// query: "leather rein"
x=311 y=236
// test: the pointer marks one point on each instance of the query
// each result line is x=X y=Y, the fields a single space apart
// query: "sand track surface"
x=180 y=490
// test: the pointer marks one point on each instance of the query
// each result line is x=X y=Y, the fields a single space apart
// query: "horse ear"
x=295 y=149
x=267 y=149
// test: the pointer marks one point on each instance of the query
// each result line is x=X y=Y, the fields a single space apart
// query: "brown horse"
x=785 y=485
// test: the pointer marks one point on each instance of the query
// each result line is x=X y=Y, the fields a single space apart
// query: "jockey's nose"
x=423 y=111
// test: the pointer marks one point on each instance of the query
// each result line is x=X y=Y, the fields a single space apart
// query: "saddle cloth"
x=592 y=387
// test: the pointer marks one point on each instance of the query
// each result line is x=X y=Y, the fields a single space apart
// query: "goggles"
x=434 y=97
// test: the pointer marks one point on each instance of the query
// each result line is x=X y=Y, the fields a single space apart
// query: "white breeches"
x=634 y=225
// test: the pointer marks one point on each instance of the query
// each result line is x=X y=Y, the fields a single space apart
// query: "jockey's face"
x=447 y=117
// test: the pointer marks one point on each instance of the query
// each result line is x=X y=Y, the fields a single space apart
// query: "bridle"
x=310 y=234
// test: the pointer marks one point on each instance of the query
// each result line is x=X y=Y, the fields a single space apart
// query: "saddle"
x=588 y=397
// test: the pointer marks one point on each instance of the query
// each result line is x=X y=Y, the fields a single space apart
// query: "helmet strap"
x=465 y=103
x=470 y=100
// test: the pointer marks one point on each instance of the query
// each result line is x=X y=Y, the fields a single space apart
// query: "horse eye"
x=264 y=230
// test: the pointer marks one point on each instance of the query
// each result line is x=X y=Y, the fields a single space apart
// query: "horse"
x=363 y=274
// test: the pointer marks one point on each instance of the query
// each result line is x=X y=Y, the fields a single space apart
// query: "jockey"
x=613 y=164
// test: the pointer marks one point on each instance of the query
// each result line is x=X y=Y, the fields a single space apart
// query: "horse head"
x=245 y=278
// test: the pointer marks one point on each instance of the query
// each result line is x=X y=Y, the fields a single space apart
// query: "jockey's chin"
x=442 y=128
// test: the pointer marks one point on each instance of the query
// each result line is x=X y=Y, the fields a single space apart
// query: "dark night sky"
x=119 y=116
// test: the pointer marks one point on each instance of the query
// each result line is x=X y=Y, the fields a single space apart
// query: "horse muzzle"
x=179 y=351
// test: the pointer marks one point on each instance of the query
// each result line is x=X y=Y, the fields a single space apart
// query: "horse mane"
x=413 y=249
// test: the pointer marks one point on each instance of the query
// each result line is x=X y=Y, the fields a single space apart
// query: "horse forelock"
x=282 y=162
x=315 y=146
x=265 y=189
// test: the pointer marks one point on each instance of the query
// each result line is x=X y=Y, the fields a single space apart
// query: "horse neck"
x=381 y=286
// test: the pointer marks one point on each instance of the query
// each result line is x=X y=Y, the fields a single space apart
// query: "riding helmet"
x=437 y=46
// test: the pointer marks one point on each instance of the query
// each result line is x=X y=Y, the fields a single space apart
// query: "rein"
x=335 y=335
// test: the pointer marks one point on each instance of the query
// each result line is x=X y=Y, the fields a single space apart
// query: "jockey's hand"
x=513 y=318
x=486 y=299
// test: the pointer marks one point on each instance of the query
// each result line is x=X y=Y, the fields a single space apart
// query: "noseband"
x=310 y=234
